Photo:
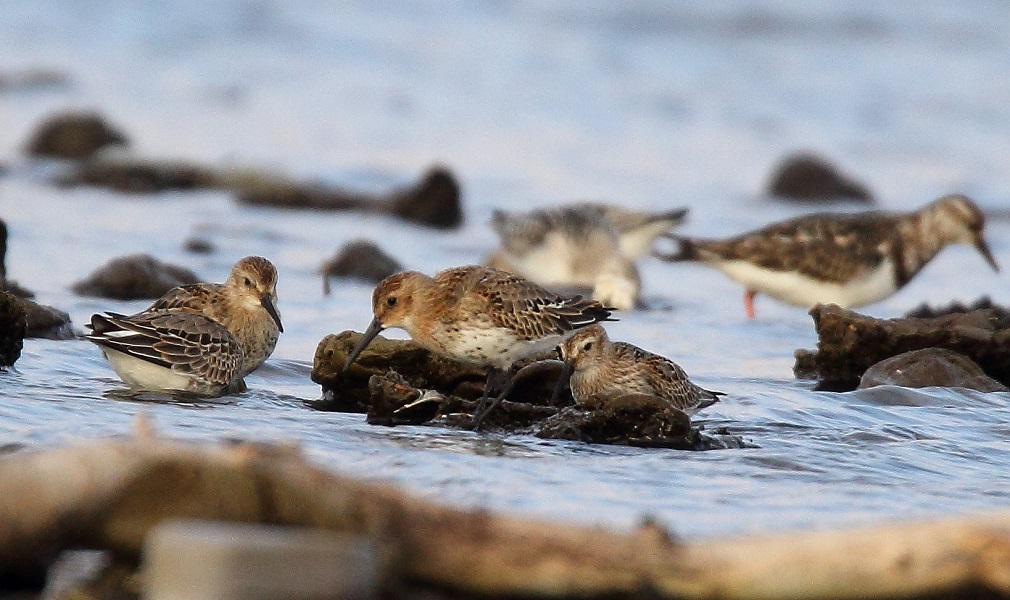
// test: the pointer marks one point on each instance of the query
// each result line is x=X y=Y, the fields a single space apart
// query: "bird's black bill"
x=566 y=374
x=983 y=247
x=268 y=303
x=366 y=338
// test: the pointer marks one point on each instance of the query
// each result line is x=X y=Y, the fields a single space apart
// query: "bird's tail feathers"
x=686 y=250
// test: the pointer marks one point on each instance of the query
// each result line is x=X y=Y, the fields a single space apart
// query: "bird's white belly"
x=801 y=290
x=140 y=374
x=498 y=347
x=552 y=263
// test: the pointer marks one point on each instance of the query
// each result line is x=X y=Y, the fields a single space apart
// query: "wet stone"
x=74 y=135
x=805 y=176
x=13 y=326
x=198 y=246
x=850 y=343
x=46 y=322
x=139 y=177
x=930 y=367
x=434 y=201
x=6 y=284
x=134 y=277
x=362 y=260
x=397 y=382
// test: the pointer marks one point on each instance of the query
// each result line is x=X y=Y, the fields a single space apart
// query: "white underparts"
x=804 y=291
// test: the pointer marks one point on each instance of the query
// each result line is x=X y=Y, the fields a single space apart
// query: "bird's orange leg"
x=748 y=303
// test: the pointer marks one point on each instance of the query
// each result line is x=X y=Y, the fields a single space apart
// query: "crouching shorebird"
x=592 y=246
x=201 y=338
x=846 y=259
x=599 y=370
x=480 y=316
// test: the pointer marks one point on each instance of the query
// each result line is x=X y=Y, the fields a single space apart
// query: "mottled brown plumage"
x=202 y=338
x=477 y=315
x=602 y=370
x=846 y=259
x=184 y=342
x=246 y=304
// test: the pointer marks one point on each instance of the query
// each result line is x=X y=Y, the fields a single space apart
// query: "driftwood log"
x=110 y=494
x=849 y=343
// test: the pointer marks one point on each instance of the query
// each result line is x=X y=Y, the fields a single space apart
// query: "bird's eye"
x=248 y=282
x=587 y=346
x=391 y=301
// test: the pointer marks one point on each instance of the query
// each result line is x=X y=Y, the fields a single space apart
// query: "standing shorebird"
x=602 y=370
x=846 y=259
x=480 y=316
x=201 y=338
x=592 y=246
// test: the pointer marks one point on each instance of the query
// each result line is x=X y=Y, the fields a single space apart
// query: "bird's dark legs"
x=496 y=378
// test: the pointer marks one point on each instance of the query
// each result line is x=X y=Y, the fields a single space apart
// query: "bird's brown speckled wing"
x=663 y=377
x=525 y=308
x=193 y=297
x=829 y=247
x=182 y=341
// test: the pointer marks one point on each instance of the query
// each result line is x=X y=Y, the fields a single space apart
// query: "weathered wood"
x=110 y=495
x=849 y=343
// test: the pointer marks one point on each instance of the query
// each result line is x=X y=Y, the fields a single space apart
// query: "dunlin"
x=847 y=259
x=602 y=370
x=201 y=338
x=591 y=246
x=480 y=316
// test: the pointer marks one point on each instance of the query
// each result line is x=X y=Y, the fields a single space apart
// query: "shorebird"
x=480 y=316
x=847 y=259
x=201 y=338
x=601 y=370
x=590 y=246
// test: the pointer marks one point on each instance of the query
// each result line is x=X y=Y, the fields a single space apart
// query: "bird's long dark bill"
x=268 y=303
x=566 y=374
x=366 y=338
x=983 y=247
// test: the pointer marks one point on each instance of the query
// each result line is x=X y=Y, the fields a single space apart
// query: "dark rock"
x=434 y=201
x=198 y=246
x=397 y=382
x=849 y=343
x=74 y=135
x=930 y=367
x=422 y=369
x=139 y=177
x=46 y=322
x=810 y=177
x=634 y=419
x=7 y=285
x=13 y=327
x=135 y=277
x=360 y=259
x=924 y=310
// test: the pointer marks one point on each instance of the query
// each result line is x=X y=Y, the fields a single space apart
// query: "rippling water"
x=531 y=104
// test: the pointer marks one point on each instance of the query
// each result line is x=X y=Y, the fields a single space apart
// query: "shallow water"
x=530 y=104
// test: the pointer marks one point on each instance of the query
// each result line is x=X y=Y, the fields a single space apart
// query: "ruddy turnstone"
x=201 y=338
x=590 y=246
x=847 y=259
x=602 y=370
x=480 y=316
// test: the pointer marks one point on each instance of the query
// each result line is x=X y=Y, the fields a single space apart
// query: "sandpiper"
x=480 y=316
x=602 y=370
x=847 y=259
x=201 y=338
x=590 y=246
